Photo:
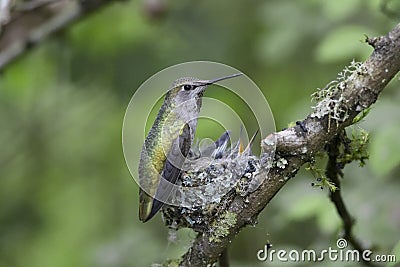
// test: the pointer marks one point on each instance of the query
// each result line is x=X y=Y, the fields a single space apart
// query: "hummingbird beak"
x=209 y=82
x=222 y=78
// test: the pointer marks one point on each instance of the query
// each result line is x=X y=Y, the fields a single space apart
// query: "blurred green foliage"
x=67 y=198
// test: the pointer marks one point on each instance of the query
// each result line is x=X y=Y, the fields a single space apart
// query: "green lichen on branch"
x=220 y=227
x=330 y=99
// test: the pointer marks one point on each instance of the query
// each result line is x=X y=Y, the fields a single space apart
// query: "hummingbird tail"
x=148 y=207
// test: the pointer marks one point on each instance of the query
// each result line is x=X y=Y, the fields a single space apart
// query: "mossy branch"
x=299 y=144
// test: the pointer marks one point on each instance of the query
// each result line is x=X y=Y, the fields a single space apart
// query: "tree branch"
x=300 y=143
x=32 y=22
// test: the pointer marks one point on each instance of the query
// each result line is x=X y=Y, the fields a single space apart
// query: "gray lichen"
x=330 y=99
x=206 y=191
x=281 y=163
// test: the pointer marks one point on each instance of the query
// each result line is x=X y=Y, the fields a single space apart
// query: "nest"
x=209 y=183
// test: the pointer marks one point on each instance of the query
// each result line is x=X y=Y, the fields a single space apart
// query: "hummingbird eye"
x=188 y=87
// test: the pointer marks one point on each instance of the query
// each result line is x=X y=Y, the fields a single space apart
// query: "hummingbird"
x=168 y=142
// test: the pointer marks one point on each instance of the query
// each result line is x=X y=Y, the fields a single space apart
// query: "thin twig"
x=333 y=171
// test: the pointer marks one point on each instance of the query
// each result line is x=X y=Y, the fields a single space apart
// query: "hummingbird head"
x=189 y=89
x=186 y=89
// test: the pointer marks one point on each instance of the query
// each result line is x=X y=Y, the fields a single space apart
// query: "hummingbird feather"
x=170 y=172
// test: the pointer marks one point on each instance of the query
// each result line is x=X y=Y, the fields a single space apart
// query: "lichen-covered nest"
x=209 y=184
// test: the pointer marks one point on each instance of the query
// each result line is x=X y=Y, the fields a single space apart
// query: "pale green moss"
x=220 y=228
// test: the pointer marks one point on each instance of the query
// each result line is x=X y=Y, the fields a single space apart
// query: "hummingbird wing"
x=172 y=169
